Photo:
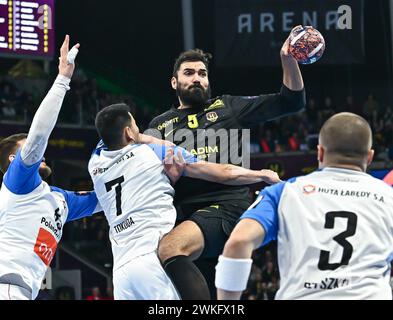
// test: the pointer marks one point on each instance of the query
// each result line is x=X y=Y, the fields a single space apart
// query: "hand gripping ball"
x=306 y=44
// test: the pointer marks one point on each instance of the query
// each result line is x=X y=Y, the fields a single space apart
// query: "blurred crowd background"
x=127 y=54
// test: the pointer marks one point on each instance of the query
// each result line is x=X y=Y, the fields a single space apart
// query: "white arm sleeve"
x=44 y=121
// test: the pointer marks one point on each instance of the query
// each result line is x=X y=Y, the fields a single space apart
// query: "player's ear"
x=174 y=83
x=370 y=156
x=131 y=135
x=321 y=153
x=128 y=134
x=11 y=157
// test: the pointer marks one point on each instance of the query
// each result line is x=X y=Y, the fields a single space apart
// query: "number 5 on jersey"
x=109 y=185
x=193 y=121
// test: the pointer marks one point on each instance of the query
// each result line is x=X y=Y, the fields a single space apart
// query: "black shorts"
x=216 y=221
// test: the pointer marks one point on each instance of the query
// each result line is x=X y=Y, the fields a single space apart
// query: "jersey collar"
x=343 y=170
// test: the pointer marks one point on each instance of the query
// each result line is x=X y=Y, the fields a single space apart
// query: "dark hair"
x=8 y=146
x=347 y=137
x=110 y=123
x=191 y=56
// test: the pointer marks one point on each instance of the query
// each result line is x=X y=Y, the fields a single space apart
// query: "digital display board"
x=27 y=28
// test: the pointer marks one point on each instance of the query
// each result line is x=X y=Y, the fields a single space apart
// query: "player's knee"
x=171 y=247
x=165 y=250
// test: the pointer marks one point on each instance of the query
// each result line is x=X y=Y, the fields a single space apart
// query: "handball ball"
x=306 y=44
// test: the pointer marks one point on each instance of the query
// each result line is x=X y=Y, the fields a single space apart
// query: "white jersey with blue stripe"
x=334 y=230
x=32 y=215
x=136 y=196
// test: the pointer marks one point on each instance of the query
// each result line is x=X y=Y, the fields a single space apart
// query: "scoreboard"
x=27 y=28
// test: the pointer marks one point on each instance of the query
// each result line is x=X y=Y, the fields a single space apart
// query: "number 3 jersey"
x=136 y=196
x=32 y=215
x=334 y=230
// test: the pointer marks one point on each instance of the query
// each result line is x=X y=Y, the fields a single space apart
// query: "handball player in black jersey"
x=207 y=212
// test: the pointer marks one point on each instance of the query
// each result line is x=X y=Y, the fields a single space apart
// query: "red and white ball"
x=306 y=44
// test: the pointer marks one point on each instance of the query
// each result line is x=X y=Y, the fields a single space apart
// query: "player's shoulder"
x=310 y=178
x=167 y=115
x=98 y=149
x=95 y=155
x=229 y=98
x=302 y=178
x=280 y=191
x=70 y=194
x=59 y=191
x=343 y=175
x=229 y=101
x=277 y=189
x=219 y=102
x=293 y=183
x=380 y=185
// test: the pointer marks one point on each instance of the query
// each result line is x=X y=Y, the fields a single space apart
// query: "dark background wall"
x=142 y=39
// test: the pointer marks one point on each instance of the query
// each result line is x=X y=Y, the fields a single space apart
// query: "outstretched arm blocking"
x=46 y=116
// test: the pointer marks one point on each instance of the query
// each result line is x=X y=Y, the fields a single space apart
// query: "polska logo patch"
x=212 y=116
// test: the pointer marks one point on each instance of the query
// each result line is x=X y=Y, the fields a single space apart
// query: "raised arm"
x=46 y=116
x=292 y=77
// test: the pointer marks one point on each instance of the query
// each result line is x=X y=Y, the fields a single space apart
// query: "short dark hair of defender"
x=9 y=146
x=110 y=123
x=347 y=140
x=191 y=56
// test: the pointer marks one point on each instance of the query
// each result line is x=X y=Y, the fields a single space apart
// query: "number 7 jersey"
x=136 y=196
x=334 y=230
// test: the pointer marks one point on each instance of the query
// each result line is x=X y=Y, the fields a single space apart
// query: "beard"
x=195 y=96
x=44 y=171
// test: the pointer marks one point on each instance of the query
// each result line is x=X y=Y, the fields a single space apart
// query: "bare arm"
x=46 y=115
x=174 y=165
x=229 y=174
x=146 y=139
x=245 y=238
x=292 y=77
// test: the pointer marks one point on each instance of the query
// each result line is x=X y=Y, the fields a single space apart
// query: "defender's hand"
x=65 y=68
x=174 y=166
x=270 y=177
